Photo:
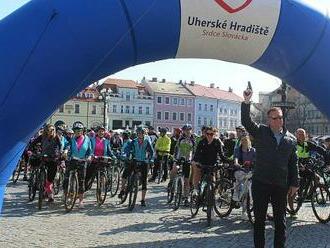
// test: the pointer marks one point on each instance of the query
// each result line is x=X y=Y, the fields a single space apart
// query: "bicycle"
x=176 y=187
x=59 y=177
x=33 y=179
x=114 y=175
x=17 y=171
x=102 y=181
x=224 y=203
x=205 y=197
x=133 y=183
x=315 y=188
x=71 y=191
x=41 y=180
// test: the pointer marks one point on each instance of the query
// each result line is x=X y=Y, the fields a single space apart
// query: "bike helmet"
x=140 y=130
x=78 y=125
x=186 y=127
x=163 y=130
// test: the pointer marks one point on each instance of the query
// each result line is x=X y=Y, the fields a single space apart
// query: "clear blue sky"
x=206 y=71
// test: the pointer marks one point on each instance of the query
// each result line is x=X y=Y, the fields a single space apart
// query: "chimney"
x=212 y=85
x=154 y=79
x=230 y=89
x=180 y=82
x=192 y=83
x=163 y=80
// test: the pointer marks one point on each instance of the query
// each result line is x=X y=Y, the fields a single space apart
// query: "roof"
x=119 y=83
x=204 y=91
x=168 y=88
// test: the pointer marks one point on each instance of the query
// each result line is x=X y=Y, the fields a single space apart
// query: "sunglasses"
x=277 y=118
x=50 y=130
x=210 y=134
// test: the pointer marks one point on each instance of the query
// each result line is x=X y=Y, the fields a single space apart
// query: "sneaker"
x=25 y=178
x=195 y=192
x=143 y=203
x=244 y=216
x=81 y=204
x=152 y=179
x=121 y=193
x=186 y=202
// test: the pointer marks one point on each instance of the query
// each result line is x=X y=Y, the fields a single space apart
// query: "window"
x=159 y=115
x=133 y=109
x=93 y=110
x=148 y=110
x=231 y=123
x=122 y=109
x=211 y=108
x=205 y=107
x=128 y=97
x=174 y=116
x=199 y=121
x=231 y=112
x=181 y=116
x=76 y=108
x=159 y=99
x=175 y=101
x=126 y=123
x=182 y=101
x=148 y=123
x=211 y=122
x=140 y=110
x=235 y=112
x=114 y=108
x=220 y=110
x=225 y=111
x=61 y=109
x=189 y=102
x=166 y=116
x=200 y=107
x=205 y=121
x=167 y=100
x=225 y=123
x=189 y=117
x=127 y=110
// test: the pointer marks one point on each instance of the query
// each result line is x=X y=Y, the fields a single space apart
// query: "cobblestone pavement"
x=111 y=225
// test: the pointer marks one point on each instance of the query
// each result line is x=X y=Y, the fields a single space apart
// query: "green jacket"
x=163 y=145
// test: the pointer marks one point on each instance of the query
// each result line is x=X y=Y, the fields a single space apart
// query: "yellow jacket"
x=163 y=145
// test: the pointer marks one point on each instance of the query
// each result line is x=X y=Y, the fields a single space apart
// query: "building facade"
x=128 y=104
x=173 y=104
x=304 y=115
x=215 y=107
x=85 y=107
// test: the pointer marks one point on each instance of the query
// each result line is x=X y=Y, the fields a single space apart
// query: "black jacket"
x=275 y=164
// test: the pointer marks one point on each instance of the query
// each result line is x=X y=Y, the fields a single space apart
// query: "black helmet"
x=187 y=127
x=78 y=125
x=163 y=130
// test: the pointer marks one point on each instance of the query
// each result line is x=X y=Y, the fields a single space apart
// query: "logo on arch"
x=231 y=8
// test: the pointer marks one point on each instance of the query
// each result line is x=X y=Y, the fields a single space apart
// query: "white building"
x=129 y=104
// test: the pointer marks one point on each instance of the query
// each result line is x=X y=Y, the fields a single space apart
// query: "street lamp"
x=104 y=96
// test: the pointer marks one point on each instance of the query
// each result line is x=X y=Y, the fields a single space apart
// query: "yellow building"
x=87 y=107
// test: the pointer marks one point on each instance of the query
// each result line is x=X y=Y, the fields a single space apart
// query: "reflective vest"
x=303 y=151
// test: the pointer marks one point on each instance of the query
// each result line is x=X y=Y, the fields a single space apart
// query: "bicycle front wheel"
x=133 y=191
x=32 y=185
x=16 y=172
x=178 y=191
x=223 y=194
x=321 y=203
x=114 y=181
x=42 y=180
x=210 y=202
x=101 y=187
x=71 y=192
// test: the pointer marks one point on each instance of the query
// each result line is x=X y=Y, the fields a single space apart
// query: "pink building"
x=173 y=104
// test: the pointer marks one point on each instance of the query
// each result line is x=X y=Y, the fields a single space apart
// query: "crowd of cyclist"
x=150 y=148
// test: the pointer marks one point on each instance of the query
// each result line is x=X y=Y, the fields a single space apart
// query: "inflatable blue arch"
x=51 y=49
